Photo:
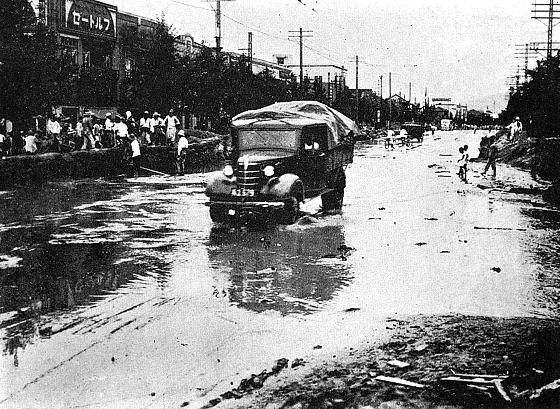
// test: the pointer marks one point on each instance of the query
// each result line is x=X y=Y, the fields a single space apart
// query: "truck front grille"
x=248 y=178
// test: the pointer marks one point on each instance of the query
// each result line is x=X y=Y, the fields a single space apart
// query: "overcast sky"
x=464 y=50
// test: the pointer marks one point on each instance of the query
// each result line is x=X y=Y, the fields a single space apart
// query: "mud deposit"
x=427 y=351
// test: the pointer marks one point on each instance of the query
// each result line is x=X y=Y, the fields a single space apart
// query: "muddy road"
x=126 y=295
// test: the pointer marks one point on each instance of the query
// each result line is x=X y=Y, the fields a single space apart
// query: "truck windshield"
x=285 y=139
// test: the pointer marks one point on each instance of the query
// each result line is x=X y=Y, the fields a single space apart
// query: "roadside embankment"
x=202 y=155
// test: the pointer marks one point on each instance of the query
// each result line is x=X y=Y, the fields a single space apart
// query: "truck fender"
x=285 y=185
x=219 y=184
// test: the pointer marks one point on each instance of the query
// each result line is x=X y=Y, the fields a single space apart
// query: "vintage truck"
x=281 y=155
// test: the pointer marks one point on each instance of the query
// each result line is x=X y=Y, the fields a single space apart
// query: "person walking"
x=171 y=122
x=135 y=147
x=182 y=146
x=492 y=156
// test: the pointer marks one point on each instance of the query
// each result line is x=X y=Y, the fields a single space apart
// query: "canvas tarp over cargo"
x=298 y=114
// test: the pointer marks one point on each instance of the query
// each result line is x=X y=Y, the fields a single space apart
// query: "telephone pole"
x=301 y=34
x=249 y=50
x=218 y=12
x=357 y=93
x=547 y=11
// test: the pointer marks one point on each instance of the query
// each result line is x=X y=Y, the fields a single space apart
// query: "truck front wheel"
x=218 y=213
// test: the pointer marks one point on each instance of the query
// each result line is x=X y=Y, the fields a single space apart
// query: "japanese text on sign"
x=96 y=23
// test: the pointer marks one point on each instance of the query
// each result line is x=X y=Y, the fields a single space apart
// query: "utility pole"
x=302 y=34
x=390 y=104
x=547 y=11
x=357 y=93
x=219 y=24
x=249 y=50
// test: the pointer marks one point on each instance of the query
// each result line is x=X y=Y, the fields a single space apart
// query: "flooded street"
x=126 y=295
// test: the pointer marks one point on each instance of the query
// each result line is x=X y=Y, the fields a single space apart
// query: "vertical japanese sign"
x=91 y=18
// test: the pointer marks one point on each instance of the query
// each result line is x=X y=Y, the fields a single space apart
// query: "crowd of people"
x=58 y=134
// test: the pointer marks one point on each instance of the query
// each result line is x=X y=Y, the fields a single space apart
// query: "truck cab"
x=282 y=155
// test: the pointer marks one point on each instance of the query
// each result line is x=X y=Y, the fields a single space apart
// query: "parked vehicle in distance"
x=446 y=125
x=414 y=131
x=282 y=154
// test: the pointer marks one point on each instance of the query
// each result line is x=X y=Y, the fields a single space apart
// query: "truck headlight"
x=268 y=171
x=228 y=171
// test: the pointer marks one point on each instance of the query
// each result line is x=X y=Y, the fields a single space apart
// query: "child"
x=466 y=162
x=461 y=163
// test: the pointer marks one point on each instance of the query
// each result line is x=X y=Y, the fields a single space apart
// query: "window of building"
x=70 y=49
x=281 y=60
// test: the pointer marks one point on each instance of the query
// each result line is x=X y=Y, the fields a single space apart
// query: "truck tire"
x=290 y=213
x=333 y=200
x=218 y=213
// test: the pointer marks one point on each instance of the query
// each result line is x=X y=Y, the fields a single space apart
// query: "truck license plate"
x=243 y=192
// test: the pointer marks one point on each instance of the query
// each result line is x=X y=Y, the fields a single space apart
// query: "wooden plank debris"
x=546 y=388
x=399 y=381
x=465 y=375
x=501 y=390
x=398 y=364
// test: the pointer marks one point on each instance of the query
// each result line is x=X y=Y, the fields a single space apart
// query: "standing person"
x=404 y=136
x=54 y=128
x=97 y=132
x=79 y=136
x=109 y=132
x=88 y=141
x=390 y=139
x=171 y=122
x=145 y=129
x=461 y=162
x=121 y=130
x=156 y=129
x=30 y=143
x=131 y=123
x=465 y=161
x=492 y=156
x=515 y=129
x=135 y=147
x=182 y=146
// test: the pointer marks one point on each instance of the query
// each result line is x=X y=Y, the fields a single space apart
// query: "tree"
x=31 y=70
x=151 y=67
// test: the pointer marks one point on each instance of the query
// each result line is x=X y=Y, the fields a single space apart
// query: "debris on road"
x=498 y=228
x=398 y=364
x=399 y=381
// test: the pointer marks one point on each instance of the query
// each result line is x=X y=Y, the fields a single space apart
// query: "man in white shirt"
x=182 y=146
x=145 y=128
x=30 y=143
x=156 y=129
x=109 y=139
x=135 y=147
x=171 y=122
x=121 y=130
x=54 y=129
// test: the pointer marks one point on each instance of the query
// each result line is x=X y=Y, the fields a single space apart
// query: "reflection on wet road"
x=126 y=295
